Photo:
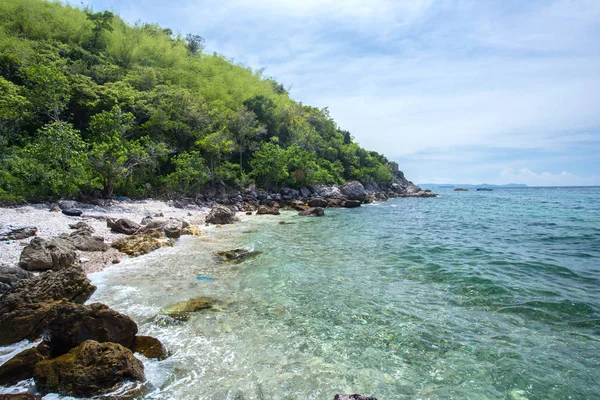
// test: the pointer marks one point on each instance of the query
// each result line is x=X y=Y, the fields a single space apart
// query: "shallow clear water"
x=471 y=295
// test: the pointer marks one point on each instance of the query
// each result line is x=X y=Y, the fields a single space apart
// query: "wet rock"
x=297 y=205
x=354 y=191
x=150 y=347
x=263 y=210
x=235 y=255
x=9 y=232
x=312 y=212
x=82 y=226
x=351 y=204
x=182 y=310
x=23 y=310
x=84 y=241
x=91 y=369
x=20 y=367
x=317 y=202
x=20 y=396
x=192 y=230
x=220 y=215
x=140 y=244
x=123 y=225
x=69 y=325
x=11 y=275
x=72 y=212
x=42 y=255
x=353 y=397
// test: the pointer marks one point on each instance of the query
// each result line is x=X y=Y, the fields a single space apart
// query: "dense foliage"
x=91 y=104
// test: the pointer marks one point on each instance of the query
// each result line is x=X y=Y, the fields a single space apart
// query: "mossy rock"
x=150 y=347
x=236 y=255
x=192 y=230
x=141 y=244
x=182 y=310
x=20 y=367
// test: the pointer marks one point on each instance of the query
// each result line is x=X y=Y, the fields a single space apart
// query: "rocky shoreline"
x=88 y=350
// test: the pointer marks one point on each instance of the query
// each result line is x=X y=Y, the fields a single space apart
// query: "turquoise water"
x=471 y=295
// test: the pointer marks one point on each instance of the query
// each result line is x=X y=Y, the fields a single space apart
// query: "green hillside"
x=90 y=104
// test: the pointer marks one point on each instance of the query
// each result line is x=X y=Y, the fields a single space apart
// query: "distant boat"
x=461 y=190
x=484 y=189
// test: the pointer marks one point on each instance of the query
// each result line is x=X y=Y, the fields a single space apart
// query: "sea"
x=469 y=295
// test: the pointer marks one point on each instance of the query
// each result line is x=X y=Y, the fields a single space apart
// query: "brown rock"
x=84 y=241
x=42 y=255
x=236 y=255
x=123 y=225
x=150 y=347
x=20 y=367
x=140 y=244
x=192 y=230
x=20 y=396
x=351 y=204
x=262 y=210
x=24 y=308
x=92 y=368
x=182 y=310
x=220 y=215
x=298 y=205
x=17 y=232
x=318 y=202
x=312 y=212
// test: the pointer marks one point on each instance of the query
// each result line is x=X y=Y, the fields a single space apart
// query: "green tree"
x=47 y=89
x=244 y=127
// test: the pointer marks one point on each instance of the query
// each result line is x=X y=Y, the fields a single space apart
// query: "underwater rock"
x=312 y=212
x=23 y=310
x=150 y=347
x=20 y=367
x=353 y=397
x=140 y=244
x=90 y=369
x=42 y=255
x=235 y=255
x=182 y=310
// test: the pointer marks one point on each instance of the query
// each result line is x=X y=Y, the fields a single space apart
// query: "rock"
x=351 y=204
x=20 y=367
x=11 y=275
x=84 y=241
x=326 y=191
x=317 y=202
x=23 y=309
x=262 y=210
x=123 y=225
x=235 y=255
x=150 y=347
x=312 y=212
x=173 y=228
x=182 y=310
x=354 y=191
x=72 y=212
x=305 y=192
x=42 y=255
x=9 y=232
x=4 y=288
x=335 y=202
x=92 y=368
x=146 y=220
x=20 y=396
x=220 y=215
x=297 y=205
x=82 y=226
x=192 y=230
x=140 y=244
x=69 y=325
x=353 y=397
x=68 y=204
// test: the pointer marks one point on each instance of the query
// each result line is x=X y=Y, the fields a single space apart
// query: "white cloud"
x=525 y=175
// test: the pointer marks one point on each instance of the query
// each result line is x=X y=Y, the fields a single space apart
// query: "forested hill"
x=91 y=104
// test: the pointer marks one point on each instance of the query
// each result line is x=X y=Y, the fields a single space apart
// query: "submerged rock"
x=23 y=309
x=123 y=225
x=140 y=244
x=150 y=347
x=69 y=325
x=353 y=397
x=220 y=215
x=90 y=369
x=263 y=210
x=20 y=367
x=235 y=255
x=9 y=232
x=42 y=255
x=182 y=310
x=312 y=212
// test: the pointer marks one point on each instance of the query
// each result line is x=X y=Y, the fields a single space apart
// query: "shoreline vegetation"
x=103 y=112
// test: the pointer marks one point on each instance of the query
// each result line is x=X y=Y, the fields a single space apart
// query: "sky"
x=455 y=91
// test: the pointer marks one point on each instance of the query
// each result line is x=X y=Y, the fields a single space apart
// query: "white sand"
x=51 y=224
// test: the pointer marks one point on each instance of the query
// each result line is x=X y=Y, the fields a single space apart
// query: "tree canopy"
x=91 y=104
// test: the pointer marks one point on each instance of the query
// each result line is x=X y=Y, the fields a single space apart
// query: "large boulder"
x=173 y=228
x=69 y=325
x=351 y=203
x=11 y=275
x=354 y=190
x=83 y=240
x=312 y=212
x=9 y=232
x=220 y=215
x=150 y=347
x=317 y=202
x=20 y=367
x=262 y=210
x=297 y=205
x=24 y=308
x=141 y=244
x=91 y=369
x=123 y=225
x=42 y=255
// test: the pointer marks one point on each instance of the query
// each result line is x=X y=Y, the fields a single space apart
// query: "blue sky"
x=462 y=91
